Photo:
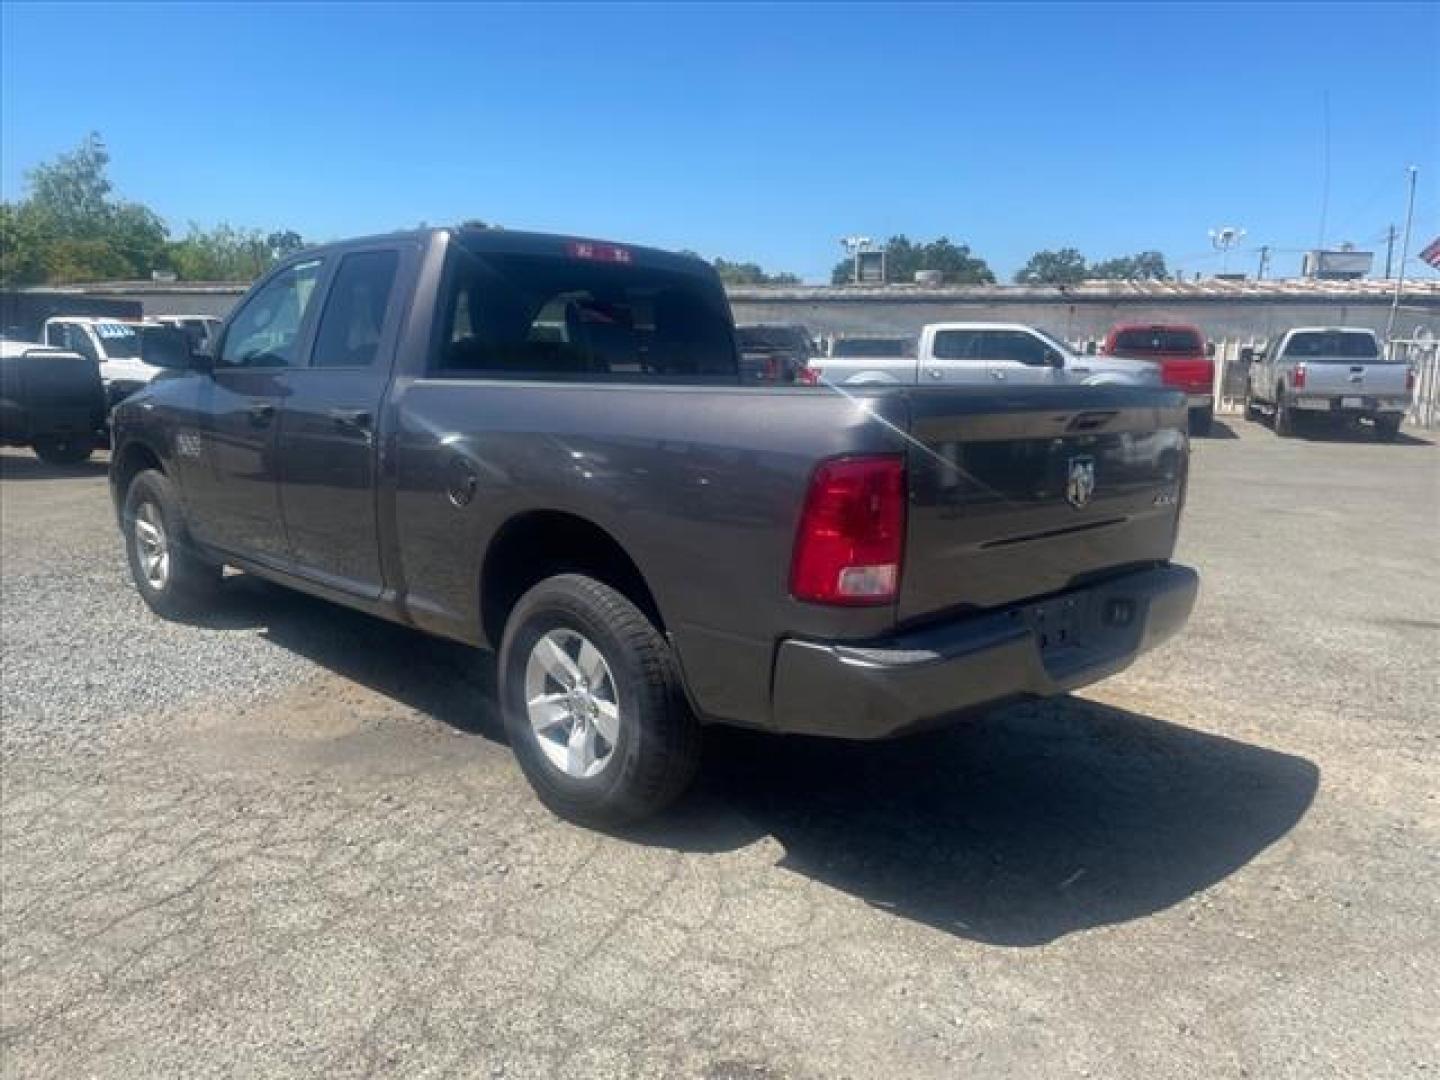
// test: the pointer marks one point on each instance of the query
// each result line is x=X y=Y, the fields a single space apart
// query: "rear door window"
x=354 y=316
x=545 y=317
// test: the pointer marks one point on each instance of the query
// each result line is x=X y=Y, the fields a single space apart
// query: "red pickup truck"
x=1186 y=362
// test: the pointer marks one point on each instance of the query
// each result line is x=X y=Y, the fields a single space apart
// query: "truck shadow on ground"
x=25 y=466
x=1015 y=829
x=1219 y=431
x=1353 y=433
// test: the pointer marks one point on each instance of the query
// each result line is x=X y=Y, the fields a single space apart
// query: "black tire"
x=63 y=449
x=1387 y=428
x=1284 y=416
x=190 y=582
x=657 y=751
x=1202 y=420
x=1252 y=411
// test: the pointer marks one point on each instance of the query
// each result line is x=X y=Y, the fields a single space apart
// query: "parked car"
x=115 y=345
x=1338 y=373
x=975 y=353
x=51 y=401
x=1185 y=358
x=774 y=353
x=649 y=543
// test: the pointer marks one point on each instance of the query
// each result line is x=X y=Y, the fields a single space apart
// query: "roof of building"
x=1425 y=290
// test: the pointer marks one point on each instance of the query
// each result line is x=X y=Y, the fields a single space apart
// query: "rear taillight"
x=1297 y=377
x=1409 y=379
x=810 y=376
x=852 y=532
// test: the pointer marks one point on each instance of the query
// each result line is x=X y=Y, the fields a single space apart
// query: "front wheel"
x=1387 y=428
x=170 y=577
x=63 y=449
x=593 y=704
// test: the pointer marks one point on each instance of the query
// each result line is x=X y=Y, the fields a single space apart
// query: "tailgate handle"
x=1090 y=421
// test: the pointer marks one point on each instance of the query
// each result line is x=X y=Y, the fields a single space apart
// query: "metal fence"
x=1421 y=353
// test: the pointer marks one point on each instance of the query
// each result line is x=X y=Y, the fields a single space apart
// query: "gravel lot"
x=290 y=842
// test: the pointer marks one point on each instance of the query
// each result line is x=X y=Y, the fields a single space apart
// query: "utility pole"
x=1404 y=254
x=1264 y=262
x=1389 y=250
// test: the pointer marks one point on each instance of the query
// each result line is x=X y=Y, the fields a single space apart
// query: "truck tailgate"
x=1018 y=494
x=1337 y=377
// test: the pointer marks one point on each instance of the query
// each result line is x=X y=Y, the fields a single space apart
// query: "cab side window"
x=264 y=332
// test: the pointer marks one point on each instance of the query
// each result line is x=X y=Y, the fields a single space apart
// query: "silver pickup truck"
x=1338 y=373
x=985 y=354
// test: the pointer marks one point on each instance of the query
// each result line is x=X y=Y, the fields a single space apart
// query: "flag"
x=1431 y=253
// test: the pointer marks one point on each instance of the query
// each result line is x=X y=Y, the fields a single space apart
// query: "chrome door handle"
x=935 y=373
x=261 y=413
x=996 y=374
x=359 y=419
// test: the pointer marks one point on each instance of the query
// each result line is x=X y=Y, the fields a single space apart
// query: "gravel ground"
x=290 y=841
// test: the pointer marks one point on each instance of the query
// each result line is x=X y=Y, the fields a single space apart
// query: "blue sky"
x=751 y=131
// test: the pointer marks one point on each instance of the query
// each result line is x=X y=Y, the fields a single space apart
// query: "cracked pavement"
x=291 y=841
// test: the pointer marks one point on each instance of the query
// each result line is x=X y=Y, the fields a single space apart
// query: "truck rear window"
x=1332 y=345
x=543 y=317
x=1158 y=341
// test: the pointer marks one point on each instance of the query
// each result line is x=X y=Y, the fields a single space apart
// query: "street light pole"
x=1404 y=254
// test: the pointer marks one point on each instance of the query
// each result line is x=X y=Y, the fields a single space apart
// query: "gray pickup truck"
x=544 y=446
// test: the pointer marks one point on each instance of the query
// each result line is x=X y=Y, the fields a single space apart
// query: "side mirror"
x=1054 y=359
x=170 y=347
x=1209 y=348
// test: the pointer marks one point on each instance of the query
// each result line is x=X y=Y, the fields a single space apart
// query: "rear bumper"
x=1358 y=404
x=932 y=675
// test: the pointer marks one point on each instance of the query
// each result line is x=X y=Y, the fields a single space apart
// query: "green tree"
x=904 y=258
x=227 y=253
x=1063 y=267
x=22 y=245
x=1142 y=266
x=749 y=273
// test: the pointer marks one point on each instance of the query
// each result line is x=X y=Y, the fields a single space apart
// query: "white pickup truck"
x=1332 y=372
x=114 y=344
x=985 y=352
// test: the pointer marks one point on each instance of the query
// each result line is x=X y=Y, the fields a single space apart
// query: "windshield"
x=1158 y=340
x=119 y=342
x=1322 y=345
x=1054 y=342
x=869 y=347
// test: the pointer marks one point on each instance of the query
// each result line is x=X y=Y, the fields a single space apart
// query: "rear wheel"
x=170 y=577
x=1284 y=416
x=1252 y=411
x=593 y=704
x=63 y=449
x=1387 y=428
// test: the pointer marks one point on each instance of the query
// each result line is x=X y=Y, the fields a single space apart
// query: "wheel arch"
x=537 y=544
x=131 y=460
